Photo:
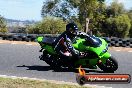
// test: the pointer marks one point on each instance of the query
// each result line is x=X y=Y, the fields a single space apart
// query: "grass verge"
x=25 y=83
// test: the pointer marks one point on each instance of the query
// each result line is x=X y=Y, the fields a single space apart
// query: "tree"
x=35 y=28
x=115 y=9
x=3 y=28
x=117 y=22
x=79 y=9
x=49 y=25
x=57 y=8
x=95 y=11
x=118 y=26
x=18 y=29
x=130 y=17
x=67 y=8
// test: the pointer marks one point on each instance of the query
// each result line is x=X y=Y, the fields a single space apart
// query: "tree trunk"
x=86 y=25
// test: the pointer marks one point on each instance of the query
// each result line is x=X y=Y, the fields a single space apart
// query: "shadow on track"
x=36 y=67
x=47 y=68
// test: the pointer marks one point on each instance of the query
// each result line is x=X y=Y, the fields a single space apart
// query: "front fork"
x=41 y=56
x=41 y=50
x=103 y=58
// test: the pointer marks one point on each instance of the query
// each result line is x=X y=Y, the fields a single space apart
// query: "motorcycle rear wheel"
x=50 y=60
x=53 y=63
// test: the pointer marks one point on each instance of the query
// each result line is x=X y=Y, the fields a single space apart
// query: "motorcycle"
x=95 y=50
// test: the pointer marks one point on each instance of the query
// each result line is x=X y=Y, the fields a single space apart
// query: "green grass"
x=25 y=83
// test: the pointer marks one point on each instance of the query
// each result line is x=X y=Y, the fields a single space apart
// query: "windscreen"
x=93 y=41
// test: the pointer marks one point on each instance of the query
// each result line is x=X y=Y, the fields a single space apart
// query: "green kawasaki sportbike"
x=95 y=53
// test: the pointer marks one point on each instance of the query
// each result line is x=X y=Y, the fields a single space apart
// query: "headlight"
x=105 y=50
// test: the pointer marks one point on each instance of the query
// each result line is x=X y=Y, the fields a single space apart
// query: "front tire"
x=81 y=80
x=111 y=65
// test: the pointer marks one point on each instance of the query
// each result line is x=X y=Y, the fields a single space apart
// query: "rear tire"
x=51 y=60
x=111 y=65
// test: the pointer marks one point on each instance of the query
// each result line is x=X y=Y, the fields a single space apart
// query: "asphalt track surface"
x=22 y=60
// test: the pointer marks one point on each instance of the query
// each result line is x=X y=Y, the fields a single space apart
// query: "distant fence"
x=116 y=42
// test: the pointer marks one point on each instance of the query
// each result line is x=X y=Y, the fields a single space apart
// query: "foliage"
x=48 y=25
x=3 y=28
x=112 y=20
x=95 y=10
x=115 y=9
x=92 y=9
x=130 y=16
x=19 y=29
x=117 y=22
x=118 y=26
x=57 y=8
x=34 y=29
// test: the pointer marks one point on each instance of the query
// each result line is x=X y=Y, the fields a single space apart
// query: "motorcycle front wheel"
x=111 y=65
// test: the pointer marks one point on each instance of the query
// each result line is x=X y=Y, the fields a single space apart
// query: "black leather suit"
x=67 y=37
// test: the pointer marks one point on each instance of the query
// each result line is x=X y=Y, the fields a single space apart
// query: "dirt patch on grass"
x=25 y=83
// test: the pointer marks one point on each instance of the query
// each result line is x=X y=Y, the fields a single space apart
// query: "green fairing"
x=105 y=57
x=79 y=45
x=87 y=62
x=49 y=48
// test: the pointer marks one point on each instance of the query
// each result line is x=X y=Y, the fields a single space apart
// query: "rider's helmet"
x=72 y=28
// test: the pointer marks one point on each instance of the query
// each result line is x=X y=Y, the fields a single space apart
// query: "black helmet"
x=71 y=27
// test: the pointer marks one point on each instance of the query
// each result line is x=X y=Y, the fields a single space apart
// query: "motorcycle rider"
x=63 y=43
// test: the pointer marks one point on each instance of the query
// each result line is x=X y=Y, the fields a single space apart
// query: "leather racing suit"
x=63 y=43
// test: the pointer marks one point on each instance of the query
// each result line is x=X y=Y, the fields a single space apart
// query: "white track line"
x=13 y=43
x=29 y=44
x=130 y=51
x=118 y=50
x=53 y=81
